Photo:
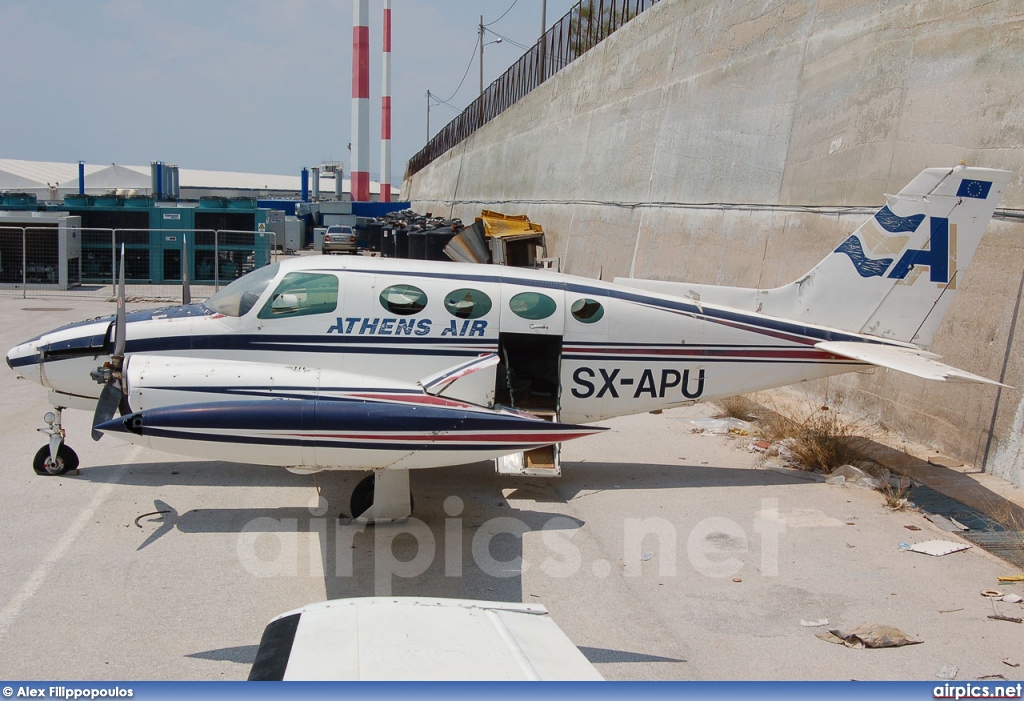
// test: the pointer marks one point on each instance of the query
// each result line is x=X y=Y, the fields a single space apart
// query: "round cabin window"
x=403 y=300
x=532 y=305
x=467 y=304
x=587 y=310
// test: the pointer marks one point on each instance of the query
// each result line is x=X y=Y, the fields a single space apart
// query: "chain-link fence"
x=59 y=259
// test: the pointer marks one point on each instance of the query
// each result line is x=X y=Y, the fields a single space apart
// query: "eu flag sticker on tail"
x=976 y=189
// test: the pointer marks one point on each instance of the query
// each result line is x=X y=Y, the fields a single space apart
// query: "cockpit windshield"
x=239 y=297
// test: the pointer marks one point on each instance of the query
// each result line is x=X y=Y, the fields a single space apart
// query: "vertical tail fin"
x=896 y=275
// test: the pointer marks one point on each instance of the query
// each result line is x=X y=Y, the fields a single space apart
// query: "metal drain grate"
x=984 y=531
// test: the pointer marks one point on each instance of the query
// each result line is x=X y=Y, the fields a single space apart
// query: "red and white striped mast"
x=385 y=110
x=360 y=176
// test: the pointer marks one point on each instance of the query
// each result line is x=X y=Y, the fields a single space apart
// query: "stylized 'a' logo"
x=936 y=258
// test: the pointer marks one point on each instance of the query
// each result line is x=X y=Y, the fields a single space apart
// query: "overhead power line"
x=468 y=66
x=510 y=41
x=502 y=14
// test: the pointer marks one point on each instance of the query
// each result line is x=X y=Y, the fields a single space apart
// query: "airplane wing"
x=418 y=639
x=908 y=360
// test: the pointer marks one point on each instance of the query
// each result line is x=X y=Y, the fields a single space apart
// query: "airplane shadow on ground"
x=465 y=540
x=192 y=474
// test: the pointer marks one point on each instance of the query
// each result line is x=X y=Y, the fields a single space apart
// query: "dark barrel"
x=417 y=245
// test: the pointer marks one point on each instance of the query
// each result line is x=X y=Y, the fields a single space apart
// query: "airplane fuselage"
x=590 y=350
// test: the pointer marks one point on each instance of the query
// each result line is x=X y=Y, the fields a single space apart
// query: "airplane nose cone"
x=24 y=360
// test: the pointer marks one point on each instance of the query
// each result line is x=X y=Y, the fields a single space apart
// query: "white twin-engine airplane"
x=357 y=363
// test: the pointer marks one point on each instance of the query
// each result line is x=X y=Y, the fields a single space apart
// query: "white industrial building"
x=51 y=181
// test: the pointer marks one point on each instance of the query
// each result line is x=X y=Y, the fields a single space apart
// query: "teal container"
x=213 y=202
x=19 y=199
x=138 y=201
x=109 y=200
x=78 y=200
x=242 y=203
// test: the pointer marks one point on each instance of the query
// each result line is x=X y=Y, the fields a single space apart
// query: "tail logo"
x=939 y=257
x=889 y=238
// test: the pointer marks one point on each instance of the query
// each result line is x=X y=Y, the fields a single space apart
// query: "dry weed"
x=823 y=440
x=1012 y=517
x=897 y=498
x=739 y=407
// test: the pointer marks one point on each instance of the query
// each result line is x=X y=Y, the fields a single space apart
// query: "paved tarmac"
x=661 y=553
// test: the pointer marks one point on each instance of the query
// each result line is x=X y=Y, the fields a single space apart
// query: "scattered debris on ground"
x=721 y=427
x=814 y=624
x=872 y=635
x=950 y=525
x=938 y=548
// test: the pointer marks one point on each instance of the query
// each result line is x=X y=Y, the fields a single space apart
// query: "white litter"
x=849 y=474
x=938 y=548
x=722 y=426
x=814 y=624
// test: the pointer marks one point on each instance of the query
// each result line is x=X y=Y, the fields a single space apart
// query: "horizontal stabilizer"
x=908 y=360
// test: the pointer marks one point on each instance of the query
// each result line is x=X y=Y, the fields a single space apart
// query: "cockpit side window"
x=301 y=294
x=239 y=297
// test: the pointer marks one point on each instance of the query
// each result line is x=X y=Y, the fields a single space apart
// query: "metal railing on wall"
x=587 y=24
x=54 y=260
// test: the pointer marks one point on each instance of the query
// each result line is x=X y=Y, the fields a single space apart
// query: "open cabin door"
x=530 y=348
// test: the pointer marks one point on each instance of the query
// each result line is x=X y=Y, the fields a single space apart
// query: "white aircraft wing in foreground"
x=418 y=639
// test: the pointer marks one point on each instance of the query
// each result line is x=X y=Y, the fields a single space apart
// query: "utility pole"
x=428 y=116
x=543 y=44
x=481 y=55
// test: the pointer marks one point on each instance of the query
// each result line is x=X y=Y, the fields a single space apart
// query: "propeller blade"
x=108 y=403
x=120 y=322
x=186 y=292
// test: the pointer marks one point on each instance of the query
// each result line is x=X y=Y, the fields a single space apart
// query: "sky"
x=257 y=86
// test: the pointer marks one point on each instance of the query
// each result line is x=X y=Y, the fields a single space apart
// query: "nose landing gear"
x=54 y=458
x=382 y=497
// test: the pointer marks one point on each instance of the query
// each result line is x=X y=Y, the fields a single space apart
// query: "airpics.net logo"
x=714 y=547
x=978 y=691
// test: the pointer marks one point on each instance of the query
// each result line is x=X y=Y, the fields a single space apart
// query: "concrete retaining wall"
x=749 y=106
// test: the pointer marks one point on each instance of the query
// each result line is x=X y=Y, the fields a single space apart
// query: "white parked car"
x=339 y=239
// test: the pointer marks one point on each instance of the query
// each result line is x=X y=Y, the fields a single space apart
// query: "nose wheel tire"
x=362 y=497
x=43 y=464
